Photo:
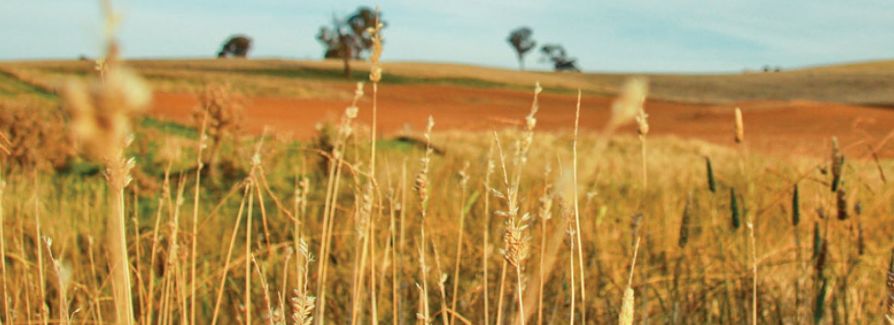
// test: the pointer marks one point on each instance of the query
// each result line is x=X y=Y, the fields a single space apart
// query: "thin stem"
x=577 y=229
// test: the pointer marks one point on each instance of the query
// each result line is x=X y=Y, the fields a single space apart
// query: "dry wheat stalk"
x=464 y=182
x=6 y=311
x=345 y=131
x=100 y=120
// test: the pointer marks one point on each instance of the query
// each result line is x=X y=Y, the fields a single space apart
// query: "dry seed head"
x=302 y=308
x=837 y=164
x=642 y=122
x=630 y=102
x=685 y=224
x=464 y=175
x=841 y=203
x=428 y=127
x=530 y=120
x=375 y=72
x=740 y=126
x=101 y=113
x=516 y=240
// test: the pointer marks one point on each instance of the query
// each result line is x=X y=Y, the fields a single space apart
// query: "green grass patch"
x=169 y=127
x=10 y=86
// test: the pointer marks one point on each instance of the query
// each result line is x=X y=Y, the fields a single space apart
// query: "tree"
x=235 y=46
x=522 y=41
x=556 y=54
x=349 y=38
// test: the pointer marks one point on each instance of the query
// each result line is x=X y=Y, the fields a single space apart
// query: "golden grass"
x=642 y=234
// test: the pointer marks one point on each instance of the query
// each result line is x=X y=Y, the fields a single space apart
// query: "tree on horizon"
x=349 y=38
x=522 y=42
x=235 y=46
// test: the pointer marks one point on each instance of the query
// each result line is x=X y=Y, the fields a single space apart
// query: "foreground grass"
x=704 y=278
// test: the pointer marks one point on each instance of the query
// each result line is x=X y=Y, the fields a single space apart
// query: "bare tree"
x=235 y=46
x=349 y=38
x=556 y=54
x=522 y=41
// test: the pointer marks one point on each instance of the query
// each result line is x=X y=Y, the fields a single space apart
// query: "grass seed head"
x=740 y=127
x=734 y=209
x=712 y=184
x=629 y=103
x=796 y=206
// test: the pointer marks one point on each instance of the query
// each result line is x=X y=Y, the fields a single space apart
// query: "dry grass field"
x=278 y=192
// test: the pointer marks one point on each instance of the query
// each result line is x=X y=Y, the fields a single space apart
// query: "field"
x=269 y=191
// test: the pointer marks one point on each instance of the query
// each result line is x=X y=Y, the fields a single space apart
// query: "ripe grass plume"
x=841 y=203
x=712 y=184
x=837 y=163
x=735 y=216
x=796 y=206
x=683 y=238
x=817 y=241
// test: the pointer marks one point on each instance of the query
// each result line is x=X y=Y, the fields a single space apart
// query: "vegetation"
x=512 y=226
x=350 y=37
x=557 y=55
x=522 y=42
x=235 y=46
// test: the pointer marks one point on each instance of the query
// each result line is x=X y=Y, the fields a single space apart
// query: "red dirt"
x=781 y=127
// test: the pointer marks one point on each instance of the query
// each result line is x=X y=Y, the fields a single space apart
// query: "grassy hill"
x=867 y=83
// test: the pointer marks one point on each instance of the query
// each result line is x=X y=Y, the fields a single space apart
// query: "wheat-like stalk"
x=302 y=302
x=464 y=182
x=6 y=299
x=345 y=131
x=100 y=120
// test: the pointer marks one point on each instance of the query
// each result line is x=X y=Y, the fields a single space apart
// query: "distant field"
x=793 y=110
x=860 y=83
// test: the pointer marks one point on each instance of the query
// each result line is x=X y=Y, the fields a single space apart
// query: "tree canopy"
x=235 y=46
x=349 y=37
x=556 y=54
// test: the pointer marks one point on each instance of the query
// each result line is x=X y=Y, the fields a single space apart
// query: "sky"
x=608 y=36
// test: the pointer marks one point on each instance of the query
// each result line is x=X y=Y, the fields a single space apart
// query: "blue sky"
x=632 y=35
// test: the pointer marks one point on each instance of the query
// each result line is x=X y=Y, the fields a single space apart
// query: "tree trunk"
x=346 y=55
x=521 y=62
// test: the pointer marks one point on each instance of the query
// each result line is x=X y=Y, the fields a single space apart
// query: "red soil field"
x=778 y=127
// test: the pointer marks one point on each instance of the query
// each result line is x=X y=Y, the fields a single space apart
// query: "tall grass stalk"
x=195 y=219
x=464 y=181
x=486 y=233
x=6 y=312
x=42 y=286
x=226 y=267
x=577 y=229
x=335 y=168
